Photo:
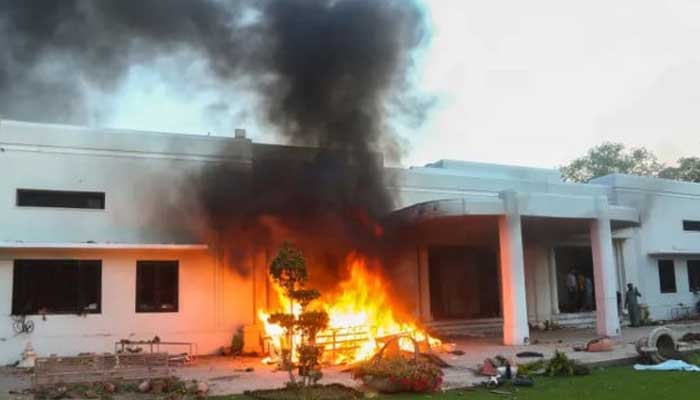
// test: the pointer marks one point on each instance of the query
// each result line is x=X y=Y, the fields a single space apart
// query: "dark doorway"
x=463 y=282
x=577 y=259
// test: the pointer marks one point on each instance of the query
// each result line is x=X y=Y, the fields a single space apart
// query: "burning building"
x=109 y=235
x=98 y=244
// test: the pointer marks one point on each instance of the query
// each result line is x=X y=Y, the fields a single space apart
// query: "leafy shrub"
x=531 y=368
x=410 y=375
x=561 y=365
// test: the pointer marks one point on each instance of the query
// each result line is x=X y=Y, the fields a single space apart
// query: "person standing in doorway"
x=580 y=291
x=632 y=304
x=571 y=289
x=588 y=294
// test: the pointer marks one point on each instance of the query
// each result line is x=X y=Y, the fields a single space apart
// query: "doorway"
x=464 y=282
x=579 y=261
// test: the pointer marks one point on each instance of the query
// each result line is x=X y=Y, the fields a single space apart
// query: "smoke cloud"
x=326 y=73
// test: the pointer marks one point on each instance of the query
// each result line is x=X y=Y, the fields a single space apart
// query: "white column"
x=607 y=319
x=513 y=298
x=553 y=284
x=426 y=314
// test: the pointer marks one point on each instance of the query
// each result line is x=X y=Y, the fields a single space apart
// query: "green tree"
x=609 y=158
x=688 y=169
x=288 y=270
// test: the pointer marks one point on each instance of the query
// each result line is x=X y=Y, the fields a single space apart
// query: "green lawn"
x=616 y=383
x=609 y=383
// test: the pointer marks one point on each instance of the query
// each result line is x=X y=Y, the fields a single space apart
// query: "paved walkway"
x=218 y=370
x=226 y=375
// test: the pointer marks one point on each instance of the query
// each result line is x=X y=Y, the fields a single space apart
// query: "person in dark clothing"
x=588 y=294
x=632 y=304
x=571 y=290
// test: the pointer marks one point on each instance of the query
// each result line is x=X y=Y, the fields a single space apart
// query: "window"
x=157 y=286
x=691 y=225
x=667 y=276
x=60 y=198
x=56 y=287
x=694 y=275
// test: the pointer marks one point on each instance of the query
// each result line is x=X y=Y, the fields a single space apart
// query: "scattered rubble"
x=691 y=337
x=144 y=386
x=529 y=354
x=173 y=387
x=660 y=345
x=596 y=345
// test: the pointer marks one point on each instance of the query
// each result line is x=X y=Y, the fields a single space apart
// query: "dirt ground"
x=231 y=375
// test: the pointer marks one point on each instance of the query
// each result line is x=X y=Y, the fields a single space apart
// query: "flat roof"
x=103 y=246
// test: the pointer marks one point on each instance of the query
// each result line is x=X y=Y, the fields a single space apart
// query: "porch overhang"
x=528 y=205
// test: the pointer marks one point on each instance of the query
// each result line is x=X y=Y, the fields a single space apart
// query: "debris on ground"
x=561 y=365
x=670 y=365
x=523 y=381
x=172 y=387
x=491 y=365
x=225 y=378
x=202 y=388
x=596 y=345
x=144 y=386
x=691 y=337
x=529 y=354
x=658 y=346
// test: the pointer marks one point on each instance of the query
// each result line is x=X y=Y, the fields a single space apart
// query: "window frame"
x=667 y=263
x=141 y=266
x=101 y=197
x=81 y=266
x=696 y=265
x=690 y=225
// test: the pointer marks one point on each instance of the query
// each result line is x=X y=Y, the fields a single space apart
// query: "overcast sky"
x=518 y=82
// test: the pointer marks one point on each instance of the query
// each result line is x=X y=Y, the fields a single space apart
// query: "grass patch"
x=603 y=384
x=615 y=383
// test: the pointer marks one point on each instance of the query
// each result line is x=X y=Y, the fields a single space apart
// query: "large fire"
x=360 y=319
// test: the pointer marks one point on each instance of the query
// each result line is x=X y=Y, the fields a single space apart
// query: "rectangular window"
x=56 y=287
x=689 y=225
x=667 y=276
x=60 y=198
x=694 y=275
x=157 y=286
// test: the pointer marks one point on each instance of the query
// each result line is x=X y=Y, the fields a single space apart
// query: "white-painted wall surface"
x=213 y=302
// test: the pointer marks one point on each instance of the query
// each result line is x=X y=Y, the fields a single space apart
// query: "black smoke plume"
x=326 y=71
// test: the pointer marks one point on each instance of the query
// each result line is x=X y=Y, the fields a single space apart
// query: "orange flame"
x=360 y=318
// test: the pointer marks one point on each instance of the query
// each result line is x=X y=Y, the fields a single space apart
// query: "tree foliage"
x=611 y=158
x=288 y=270
x=688 y=169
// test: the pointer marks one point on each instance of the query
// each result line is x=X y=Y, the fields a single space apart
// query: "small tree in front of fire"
x=288 y=270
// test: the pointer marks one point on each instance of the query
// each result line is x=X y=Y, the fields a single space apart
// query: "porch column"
x=423 y=285
x=513 y=299
x=607 y=319
x=553 y=284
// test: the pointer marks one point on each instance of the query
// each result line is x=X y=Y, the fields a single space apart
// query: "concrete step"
x=466 y=327
x=494 y=326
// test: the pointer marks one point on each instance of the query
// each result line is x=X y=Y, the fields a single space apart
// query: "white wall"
x=663 y=206
x=213 y=302
x=145 y=178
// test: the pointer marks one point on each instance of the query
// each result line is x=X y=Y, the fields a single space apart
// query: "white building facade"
x=92 y=249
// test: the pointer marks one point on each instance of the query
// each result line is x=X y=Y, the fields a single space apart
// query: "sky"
x=532 y=83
